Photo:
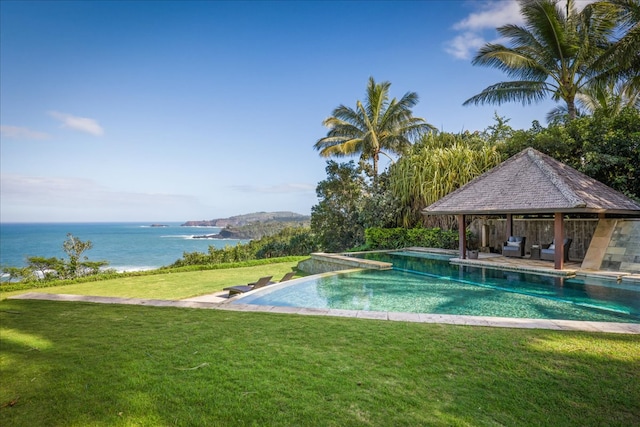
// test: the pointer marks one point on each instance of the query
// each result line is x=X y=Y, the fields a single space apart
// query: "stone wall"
x=615 y=246
x=324 y=263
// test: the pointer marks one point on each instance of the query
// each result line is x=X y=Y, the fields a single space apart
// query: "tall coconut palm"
x=377 y=126
x=609 y=99
x=622 y=59
x=553 y=54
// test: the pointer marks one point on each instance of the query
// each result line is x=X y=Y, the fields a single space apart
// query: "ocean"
x=126 y=246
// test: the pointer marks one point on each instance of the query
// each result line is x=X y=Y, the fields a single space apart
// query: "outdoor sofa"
x=548 y=252
x=514 y=246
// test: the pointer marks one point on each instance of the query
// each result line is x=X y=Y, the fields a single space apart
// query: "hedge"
x=395 y=238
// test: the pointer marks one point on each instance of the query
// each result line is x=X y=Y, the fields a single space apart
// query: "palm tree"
x=377 y=126
x=609 y=99
x=624 y=54
x=553 y=54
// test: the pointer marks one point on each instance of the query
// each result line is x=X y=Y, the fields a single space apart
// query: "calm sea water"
x=126 y=246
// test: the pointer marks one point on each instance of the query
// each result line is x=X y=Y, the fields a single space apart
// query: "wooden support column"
x=462 y=236
x=558 y=236
x=509 y=226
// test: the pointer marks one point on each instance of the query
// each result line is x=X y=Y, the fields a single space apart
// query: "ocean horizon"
x=126 y=246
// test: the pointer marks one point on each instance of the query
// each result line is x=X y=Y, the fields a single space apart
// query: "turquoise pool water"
x=423 y=283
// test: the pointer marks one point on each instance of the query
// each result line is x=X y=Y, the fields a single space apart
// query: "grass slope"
x=168 y=285
x=73 y=364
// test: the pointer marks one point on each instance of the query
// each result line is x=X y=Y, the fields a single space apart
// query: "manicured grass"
x=81 y=364
x=171 y=286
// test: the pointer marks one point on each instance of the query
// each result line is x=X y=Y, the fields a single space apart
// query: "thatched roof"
x=532 y=182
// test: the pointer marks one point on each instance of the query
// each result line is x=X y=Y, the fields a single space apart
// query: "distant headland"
x=240 y=220
x=251 y=226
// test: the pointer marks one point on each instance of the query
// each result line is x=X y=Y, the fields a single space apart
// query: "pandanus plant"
x=437 y=166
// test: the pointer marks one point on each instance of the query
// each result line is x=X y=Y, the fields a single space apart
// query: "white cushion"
x=516 y=244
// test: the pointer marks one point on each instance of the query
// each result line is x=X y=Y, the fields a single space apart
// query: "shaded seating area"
x=548 y=252
x=529 y=184
x=514 y=246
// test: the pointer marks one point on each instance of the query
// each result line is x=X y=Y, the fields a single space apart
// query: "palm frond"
x=524 y=91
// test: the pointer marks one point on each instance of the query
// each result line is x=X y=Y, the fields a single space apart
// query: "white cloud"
x=464 y=45
x=82 y=124
x=474 y=29
x=493 y=15
x=281 y=188
x=32 y=198
x=16 y=132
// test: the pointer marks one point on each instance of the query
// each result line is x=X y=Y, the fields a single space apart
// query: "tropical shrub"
x=395 y=238
x=47 y=269
x=436 y=166
x=290 y=241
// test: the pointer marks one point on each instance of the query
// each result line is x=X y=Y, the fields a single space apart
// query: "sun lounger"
x=240 y=289
x=286 y=277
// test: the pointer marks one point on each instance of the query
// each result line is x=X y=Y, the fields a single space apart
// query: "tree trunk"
x=571 y=108
x=375 y=165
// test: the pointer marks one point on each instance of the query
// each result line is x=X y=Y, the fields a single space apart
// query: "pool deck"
x=219 y=301
x=571 y=268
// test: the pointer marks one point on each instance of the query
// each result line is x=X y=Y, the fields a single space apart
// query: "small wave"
x=127 y=268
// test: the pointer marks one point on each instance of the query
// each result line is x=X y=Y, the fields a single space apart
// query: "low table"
x=535 y=252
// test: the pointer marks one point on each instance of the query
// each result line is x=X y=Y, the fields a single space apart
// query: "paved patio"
x=526 y=264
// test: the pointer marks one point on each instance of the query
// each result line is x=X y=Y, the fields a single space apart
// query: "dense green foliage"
x=602 y=147
x=288 y=242
x=436 y=166
x=260 y=229
x=395 y=238
x=335 y=220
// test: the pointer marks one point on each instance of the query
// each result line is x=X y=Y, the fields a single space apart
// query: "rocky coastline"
x=250 y=226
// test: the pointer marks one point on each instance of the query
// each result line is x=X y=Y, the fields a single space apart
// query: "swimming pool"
x=426 y=283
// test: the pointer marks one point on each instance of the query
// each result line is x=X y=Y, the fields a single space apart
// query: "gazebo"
x=532 y=183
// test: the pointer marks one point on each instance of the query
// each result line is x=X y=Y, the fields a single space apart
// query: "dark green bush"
x=291 y=241
x=395 y=238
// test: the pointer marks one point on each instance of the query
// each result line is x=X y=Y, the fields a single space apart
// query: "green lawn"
x=172 y=286
x=81 y=364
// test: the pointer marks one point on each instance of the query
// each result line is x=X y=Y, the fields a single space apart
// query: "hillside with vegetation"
x=245 y=219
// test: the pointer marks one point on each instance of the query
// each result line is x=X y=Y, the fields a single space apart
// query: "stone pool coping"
x=218 y=302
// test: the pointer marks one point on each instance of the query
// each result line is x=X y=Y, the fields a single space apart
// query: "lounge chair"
x=514 y=246
x=548 y=252
x=240 y=289
x=286 y=277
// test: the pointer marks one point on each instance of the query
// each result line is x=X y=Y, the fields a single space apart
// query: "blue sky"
x=175 y=111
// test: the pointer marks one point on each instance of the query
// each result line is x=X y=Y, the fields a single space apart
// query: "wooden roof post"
x=509 y=226
x=462 y=236
x=558 y=239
